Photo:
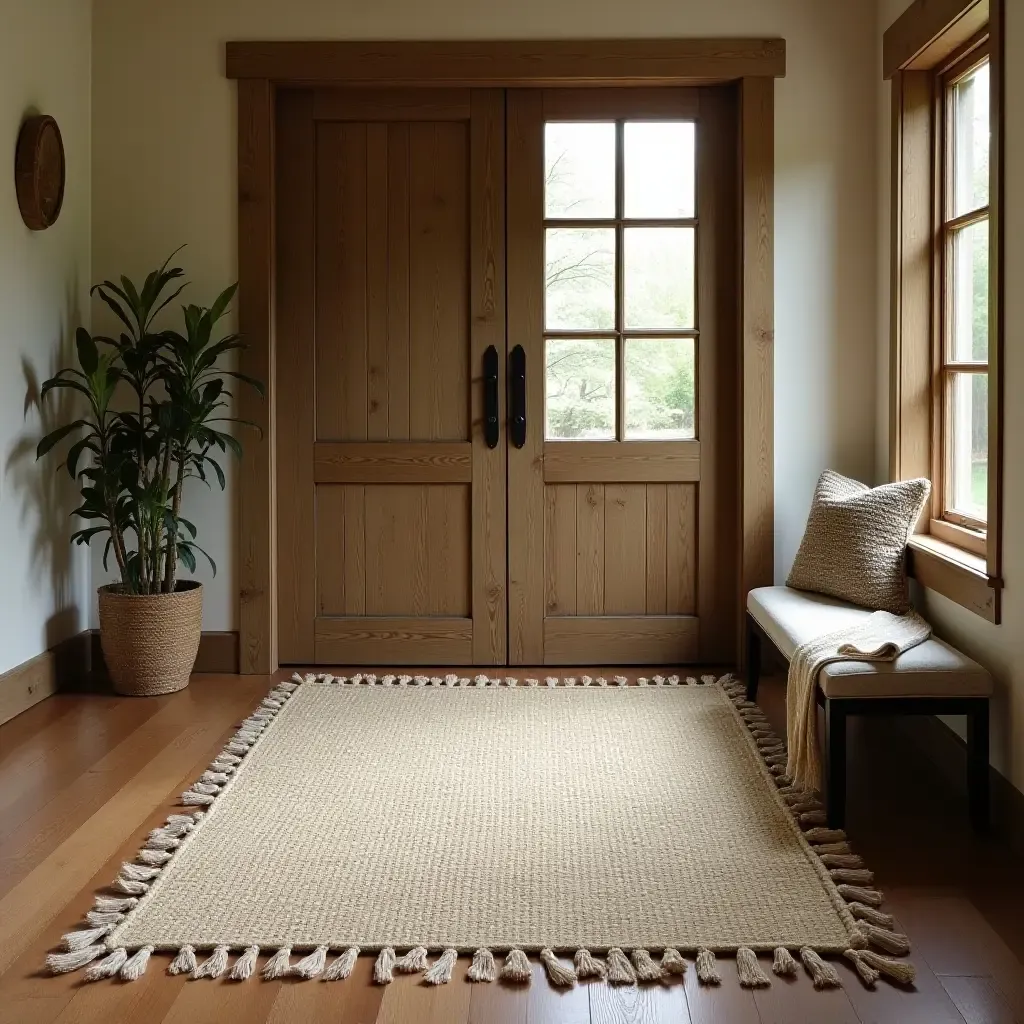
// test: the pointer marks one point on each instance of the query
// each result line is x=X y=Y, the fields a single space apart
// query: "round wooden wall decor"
x=39 y=171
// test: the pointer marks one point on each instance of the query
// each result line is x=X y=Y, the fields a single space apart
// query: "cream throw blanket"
x=881 y=637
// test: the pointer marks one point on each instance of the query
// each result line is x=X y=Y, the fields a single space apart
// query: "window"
x=963 y=286
x=945 y=302
x=620 y=317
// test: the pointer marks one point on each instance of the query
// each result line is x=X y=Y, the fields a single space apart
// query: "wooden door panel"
x=641 y=537
x=438 y=282
x=401 y=228
x=633 y=564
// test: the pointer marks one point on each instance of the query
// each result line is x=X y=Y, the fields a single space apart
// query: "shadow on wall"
x=47 y=495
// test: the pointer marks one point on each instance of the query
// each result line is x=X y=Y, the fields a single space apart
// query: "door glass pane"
x=660 y=388
x=658 y=279
x=659 y=168
x=580 y=388
x=969 y=296
x=579 y=169
x=968 y=435
x=970 y=141
x=579 y=275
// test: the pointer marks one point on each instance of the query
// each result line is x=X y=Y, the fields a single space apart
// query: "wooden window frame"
x=930 y=42
x=263 y=68
x=955 y=527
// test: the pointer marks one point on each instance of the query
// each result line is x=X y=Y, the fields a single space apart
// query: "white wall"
x=1000 y=648
x=164 y=173
x=44 y=295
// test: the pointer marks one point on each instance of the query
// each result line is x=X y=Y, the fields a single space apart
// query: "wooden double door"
x=507 y=398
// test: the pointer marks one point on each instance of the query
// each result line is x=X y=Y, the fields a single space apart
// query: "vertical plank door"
x=391 y=288
x=622 y=277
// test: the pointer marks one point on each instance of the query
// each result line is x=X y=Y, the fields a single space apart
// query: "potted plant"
x=156 y=401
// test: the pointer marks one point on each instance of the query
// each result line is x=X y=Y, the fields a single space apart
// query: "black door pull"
x=491 y=425
x=517 y=396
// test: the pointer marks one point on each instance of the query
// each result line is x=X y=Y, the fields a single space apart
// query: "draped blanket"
x=881 y=637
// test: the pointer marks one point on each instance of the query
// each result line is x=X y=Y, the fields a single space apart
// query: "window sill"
x=959 y=575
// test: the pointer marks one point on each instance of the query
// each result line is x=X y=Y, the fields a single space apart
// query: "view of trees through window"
x=619 y=279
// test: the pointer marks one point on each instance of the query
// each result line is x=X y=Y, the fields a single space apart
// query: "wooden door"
x=391 y=287
x=622 y=293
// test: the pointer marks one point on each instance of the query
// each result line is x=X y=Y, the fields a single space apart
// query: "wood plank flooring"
x=83 y=777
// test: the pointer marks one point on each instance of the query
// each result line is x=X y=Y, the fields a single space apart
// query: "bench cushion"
x=933 y=669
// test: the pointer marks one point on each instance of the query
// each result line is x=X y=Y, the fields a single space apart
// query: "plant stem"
x=171 y=562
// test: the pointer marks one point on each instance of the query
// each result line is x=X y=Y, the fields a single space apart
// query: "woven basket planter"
x=150 y=641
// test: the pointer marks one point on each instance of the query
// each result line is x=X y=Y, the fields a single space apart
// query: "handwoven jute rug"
x=609 y=829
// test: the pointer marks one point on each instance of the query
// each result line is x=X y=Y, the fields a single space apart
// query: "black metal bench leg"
x=753 y=658
x=977 y=765
x=835 y=762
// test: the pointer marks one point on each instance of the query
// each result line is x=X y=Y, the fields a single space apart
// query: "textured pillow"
x=855 y=540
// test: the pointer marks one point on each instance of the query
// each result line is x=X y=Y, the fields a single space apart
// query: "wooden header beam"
x=500 y=64
x=928 y=31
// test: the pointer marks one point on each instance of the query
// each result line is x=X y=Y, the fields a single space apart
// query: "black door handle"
x=491 y=425
x=517 y=396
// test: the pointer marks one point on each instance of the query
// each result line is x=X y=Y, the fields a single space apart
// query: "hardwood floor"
x=83 y=778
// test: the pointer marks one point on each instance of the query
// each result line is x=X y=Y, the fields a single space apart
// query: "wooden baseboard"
x=61 y=667
x=218 y=654
x=77 y=664
x=948 y=752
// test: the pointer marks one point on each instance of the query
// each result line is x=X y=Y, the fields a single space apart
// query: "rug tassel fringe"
x=184 y=962
x=645 y=967
x=899 y=971
x=858 y=894
x=783 y=963
x=311 y=966
x=156 y=858
x=891 y=942
x=853 y=876
x=414 y=960
x=558 y=973
x=707 y=968
x=516 y=967
x=825 y=835
x=749 y=970
x=114 y=903
x=214 y=965
x=587 y=965
x=620 y=970
x=441 y=972
x=871 y=915
x=99 y=918
x=108 y=967
x=74 y=941
x=483 y=967
x=384 y=966
x=826 y=848
x=867 y=973
x=822 y=973
x=245 y=965
x=62 y=963
x=342 y=967
x=278 y=965
x=672 y=962
x=135 y=966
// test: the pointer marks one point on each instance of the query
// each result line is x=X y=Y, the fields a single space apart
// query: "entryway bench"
x=930 y=679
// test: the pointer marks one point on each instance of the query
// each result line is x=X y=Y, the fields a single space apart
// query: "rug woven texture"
x=497 y=817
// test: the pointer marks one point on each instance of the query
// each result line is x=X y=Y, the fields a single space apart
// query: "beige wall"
x=164 y=173
x=44 y=279
x=1001 y=648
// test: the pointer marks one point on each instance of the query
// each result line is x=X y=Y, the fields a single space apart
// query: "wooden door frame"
x=262 y=68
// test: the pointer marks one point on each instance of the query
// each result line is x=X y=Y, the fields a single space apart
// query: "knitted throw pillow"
x=855 y=540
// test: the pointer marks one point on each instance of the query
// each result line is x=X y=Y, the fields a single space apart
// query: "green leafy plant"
x=157 y=403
